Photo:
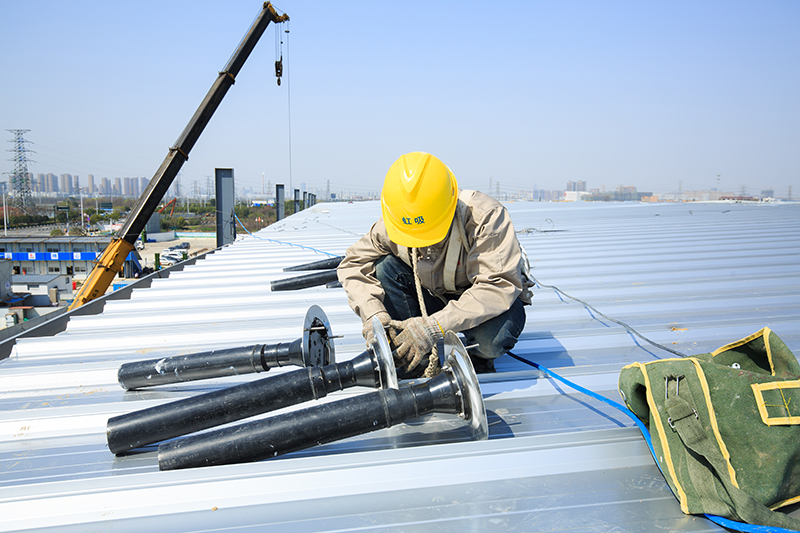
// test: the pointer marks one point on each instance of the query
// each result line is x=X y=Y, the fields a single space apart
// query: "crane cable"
x=279 y=74
x=289 y=106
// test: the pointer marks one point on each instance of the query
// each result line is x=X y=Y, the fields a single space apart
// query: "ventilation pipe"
x=373 y=368
x=315 y=348
x=455 y=390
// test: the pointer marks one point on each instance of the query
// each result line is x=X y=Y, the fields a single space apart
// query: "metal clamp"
x=677 y=393
x=669 y=420
x=677 y=384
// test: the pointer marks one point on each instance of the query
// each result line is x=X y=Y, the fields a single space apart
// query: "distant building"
x=66 y=183
x=574 y=196
x=23 y=297
x=623 y=193
x=71 y=256
x=579 y=186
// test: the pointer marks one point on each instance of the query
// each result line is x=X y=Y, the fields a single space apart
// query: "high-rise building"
x=90 y=184
x=117 y=190
x=105 y=188
x=66 y=183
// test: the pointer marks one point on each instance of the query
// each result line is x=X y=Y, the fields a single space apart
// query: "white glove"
x=367 y=333
x=416 y=340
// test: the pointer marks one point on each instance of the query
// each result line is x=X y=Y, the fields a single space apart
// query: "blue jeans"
x=493 y=338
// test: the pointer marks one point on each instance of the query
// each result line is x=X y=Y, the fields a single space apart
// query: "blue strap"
x=724 y=522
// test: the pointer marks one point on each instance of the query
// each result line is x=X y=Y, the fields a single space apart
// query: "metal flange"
x=473 y=410
x=317 y=339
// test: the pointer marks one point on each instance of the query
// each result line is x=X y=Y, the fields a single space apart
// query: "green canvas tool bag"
x=725 y=427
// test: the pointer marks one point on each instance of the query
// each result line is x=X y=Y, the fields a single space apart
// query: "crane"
x=168 y=204
x=113 y=257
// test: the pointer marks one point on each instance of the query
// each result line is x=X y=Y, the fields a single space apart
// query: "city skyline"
x=66 y=185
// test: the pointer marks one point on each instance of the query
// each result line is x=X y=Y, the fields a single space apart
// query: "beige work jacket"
x=488 y=277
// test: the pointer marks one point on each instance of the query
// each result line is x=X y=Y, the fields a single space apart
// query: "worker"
x=439 y=259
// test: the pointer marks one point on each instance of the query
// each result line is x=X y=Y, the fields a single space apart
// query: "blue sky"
x=525 y=93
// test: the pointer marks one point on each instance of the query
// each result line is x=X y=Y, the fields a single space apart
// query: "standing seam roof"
x=690 y=276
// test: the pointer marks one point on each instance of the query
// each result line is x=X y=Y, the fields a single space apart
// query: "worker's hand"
x=416 y=340
x=367 y=333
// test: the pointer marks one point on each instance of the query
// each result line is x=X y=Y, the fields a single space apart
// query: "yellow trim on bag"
x=758 y=392
x=784 y=503
x=662 y=437
x=713 y=418
x=763 y=332
x=767 y=331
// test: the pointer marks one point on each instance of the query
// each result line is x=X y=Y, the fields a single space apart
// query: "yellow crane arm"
x=106 y=267
x=112 y=259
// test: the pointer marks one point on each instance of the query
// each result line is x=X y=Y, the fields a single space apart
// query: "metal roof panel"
x=690 y=276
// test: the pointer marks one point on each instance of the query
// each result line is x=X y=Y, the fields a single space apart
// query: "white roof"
x=690 y=276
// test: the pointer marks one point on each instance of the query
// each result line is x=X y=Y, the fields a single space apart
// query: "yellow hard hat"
x=418 y=200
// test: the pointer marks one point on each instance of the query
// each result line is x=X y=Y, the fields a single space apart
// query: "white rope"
x=433 y=362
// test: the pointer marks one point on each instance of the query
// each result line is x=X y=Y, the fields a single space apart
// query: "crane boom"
x=170 y=204
x=113 y=257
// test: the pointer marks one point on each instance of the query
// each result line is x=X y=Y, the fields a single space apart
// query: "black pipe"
x=324 y=264
x=455 y=390
x=303 y=282
x=373 y=368
x=315 y=348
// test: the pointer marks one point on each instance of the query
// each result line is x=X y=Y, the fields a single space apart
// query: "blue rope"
x=724 y=522
x=596 y=396
x=283 y=242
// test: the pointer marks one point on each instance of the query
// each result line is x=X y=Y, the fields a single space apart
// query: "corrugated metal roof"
x=691 y=276
x=33 y=278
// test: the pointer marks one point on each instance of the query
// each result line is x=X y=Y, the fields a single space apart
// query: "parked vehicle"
x=173 y=256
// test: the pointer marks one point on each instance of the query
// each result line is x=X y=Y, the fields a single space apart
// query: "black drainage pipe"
x=315 y=348
x=323 y=264
x=303 y=282
x=455 y=390
x=373 y=368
